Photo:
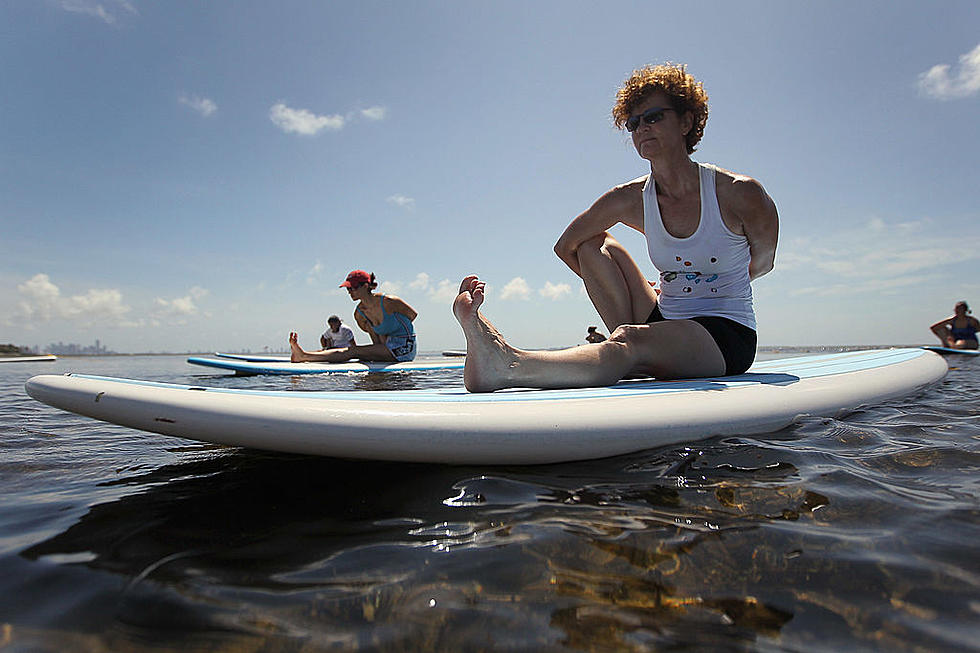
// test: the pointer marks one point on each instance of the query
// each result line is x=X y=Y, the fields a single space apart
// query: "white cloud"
x=421 y=282
x=313 y=276
x=939 y=83
x=860 y=287
x=374 y=113
x=402 y=201
x=555 y=291
x=516 y=288
x=444 y=292
x=878 y=257
x=199 y=293
x=302 y=121
x=389 y=287
x=40 y=297
x=202 y=105
x=99 y=9
x=180 y=306
x=41 y=301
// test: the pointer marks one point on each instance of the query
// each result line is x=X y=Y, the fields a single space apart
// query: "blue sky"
x=195 y=176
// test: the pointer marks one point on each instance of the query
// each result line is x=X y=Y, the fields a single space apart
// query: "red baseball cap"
x=356 y=279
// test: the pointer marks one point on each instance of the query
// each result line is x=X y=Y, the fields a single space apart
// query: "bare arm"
x=942 y=323
x=398 y=305
x=367 y=328
x=756 y=212
x=622 y=204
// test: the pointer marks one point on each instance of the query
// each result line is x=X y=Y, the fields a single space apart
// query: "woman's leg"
x=372 y=352
x=669 y=349
x=942 y=332
x=616 y=286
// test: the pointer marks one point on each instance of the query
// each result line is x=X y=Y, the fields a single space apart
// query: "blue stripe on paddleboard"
x=774 y=372
x=257 y=358
x=950 y=350
x=286 y=368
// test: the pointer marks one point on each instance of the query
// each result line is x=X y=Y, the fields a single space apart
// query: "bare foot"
x=297 y=355
x=489 y=359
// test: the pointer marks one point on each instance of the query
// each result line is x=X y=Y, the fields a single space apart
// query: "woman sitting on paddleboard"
x=386 y=318
x=958 y=331
x=709 y=231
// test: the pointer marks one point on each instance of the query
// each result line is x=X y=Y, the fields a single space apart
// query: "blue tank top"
x=391 y=324
x=963 y=333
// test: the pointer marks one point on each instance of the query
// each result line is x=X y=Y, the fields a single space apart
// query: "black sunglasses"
x=649 y=117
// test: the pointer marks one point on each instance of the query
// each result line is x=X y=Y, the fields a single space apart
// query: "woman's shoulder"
x=742 y=194
x=631 y=187
x=390 y=300
x=623 y=197
x=737 y=185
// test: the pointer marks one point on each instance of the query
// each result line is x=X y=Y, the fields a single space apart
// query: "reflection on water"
x=836 y=534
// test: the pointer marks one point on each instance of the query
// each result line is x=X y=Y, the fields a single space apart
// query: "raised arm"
x=622 y=204
x=943 y=323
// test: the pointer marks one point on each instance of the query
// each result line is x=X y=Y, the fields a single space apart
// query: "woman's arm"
x=757 y=214
x=398 y=305
x=367 y=327
x=942 y=323
x=621 y=204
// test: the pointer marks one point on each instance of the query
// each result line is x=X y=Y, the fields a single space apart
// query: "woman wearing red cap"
x=386 y=318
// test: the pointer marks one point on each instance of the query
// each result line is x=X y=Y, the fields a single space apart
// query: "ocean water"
x=855 y=533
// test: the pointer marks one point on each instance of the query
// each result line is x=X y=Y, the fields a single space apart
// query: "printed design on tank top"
x=692 y=277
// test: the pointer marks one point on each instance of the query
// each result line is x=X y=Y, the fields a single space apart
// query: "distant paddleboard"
x=451 y=425
x=454 y=352
x=284 y=367
x=950 y=350
x=28 y=359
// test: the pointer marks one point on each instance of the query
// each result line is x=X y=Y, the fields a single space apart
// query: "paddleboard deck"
x=284 y=367
x=451 y=425
x=950 y=350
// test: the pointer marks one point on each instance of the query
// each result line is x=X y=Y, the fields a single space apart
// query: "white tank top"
x=706 y=273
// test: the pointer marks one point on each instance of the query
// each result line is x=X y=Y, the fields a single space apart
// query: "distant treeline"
x=11 y=349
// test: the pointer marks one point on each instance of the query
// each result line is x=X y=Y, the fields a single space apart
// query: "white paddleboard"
x=43 y=358
x=450 y=425
x=284 y=367
x=950 y=350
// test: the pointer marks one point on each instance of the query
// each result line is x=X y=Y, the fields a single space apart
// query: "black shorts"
x=736 y=341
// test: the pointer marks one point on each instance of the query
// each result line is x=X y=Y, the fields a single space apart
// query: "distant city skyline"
x=74 y=349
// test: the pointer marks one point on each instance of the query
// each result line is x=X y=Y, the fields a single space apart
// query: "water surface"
x=855 y=533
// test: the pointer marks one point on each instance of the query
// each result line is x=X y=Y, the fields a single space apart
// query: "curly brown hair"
x=685 y=94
